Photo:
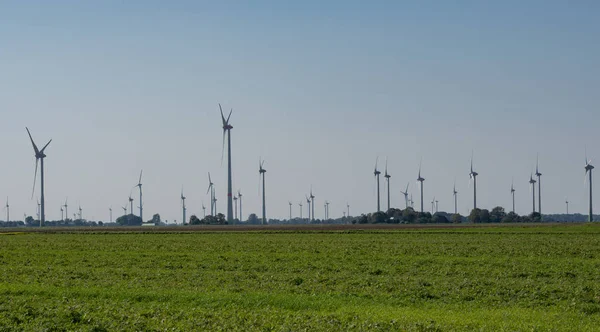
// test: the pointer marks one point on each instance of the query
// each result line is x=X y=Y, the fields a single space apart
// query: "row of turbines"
x=473 y=179
x=40 y=155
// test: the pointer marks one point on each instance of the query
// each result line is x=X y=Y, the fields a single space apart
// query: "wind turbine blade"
x=45 y=146
x=229 y=116
x=35 y=146
x=140 y=181
x=222 y=116
x=376 y=162
x=34 y=177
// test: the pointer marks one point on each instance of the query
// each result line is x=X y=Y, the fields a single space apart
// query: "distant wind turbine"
x=240 y=198
x=405 y=193
x=261 y=172
x=39 y=155
x=387 y=177
x=308 y=205
x=227 y=129
x=376 y=172
x=62 y=213
x=539 y=180
x=183 y=208
x=567 y=202
x=210 y=190
x=235 y=205
x=39 y=209
x=131 y=203
x=110 y=211
x=66 y=208
x=532 y=187
x=421 y=180
x=300 y=204
x=512 y=192
x=124 y=209
x=312 y=203
x=327 y=210
x=290 y=203
x=455 y=194
x=348 y=210
x=139 y=185
x=7 y=208
x=204 y=209
x=433 y=205
x=473 y=176
x=588 y=169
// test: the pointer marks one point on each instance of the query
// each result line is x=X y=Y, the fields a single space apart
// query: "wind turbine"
x=214 y=191
x=211 y=186
x=183 y=205
x=376 y=172
x=539 y=177
x=308 y=204
x=261 y=172
x=62 y=213
x=433 y=205
x=124 y=209
x=512 y=192
x=455 y=194
x=327 y=209
x=567 y=202
x=300 y=204
x=240 y=197
x=227 y=129
x=473 y=176
x=290 y=203
x=139 y=185
x=588 y=169
x=131 y=203
x=405 y=193
x=66 y=208
x=532 y=187
x=39 y=155
x=7 y=208
x=421 y=179
x=312 y=203
x=39 y=209
x=387 y=177
x=348 y=210
x=204 y=209
x=110 y=210
x=80 y=213
x=235 y=205
x=436 y=206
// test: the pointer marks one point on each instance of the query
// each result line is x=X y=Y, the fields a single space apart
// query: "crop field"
x=424 y=279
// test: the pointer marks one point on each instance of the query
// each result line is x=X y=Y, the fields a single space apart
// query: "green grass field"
x=505 y=278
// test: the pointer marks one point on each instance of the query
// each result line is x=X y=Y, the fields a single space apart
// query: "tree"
x=194 y=220
x=253 y=219
x=409 y=215
x=456 y=218
x=484 y=216
x=474 y=216
x=439 y=219
x=155 y=219
x=29 y=221
x=497 y=214
x=378 y=218
x=535 y=217
x=511 y=217
x=129 y=220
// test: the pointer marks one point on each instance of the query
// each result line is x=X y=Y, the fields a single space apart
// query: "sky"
x=319 y=90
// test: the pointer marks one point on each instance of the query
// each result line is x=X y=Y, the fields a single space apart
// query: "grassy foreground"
x=507 y=278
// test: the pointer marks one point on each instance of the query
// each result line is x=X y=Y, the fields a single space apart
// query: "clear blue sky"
x=319 y=89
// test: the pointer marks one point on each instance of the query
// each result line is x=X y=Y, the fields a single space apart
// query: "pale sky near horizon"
x=319 y=89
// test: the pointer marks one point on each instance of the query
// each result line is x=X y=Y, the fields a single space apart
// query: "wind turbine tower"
x=110 y=211
x=300 y=205
x=376 y=172
x=66 y=208
x=227 y=129
x=455 y=194
x=512 y=193
x=39 y=155
x=7 y=207
x=327 y=209
x=261 y=172
x=210 y=190
x=387 y=177
x=588 y=169
x=567 y=202
x=235 y=205
x=539 y=180
x=308 y=205
x=532 y=186
x=421 y=179
x=473 y=176
x=184 y=209
x=312 y=203
x=131 y=203
x=290 y=203
x=139 y=185
x=405 y=193
x=240 y=197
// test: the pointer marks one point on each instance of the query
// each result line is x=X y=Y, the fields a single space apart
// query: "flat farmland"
x=282 y=279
